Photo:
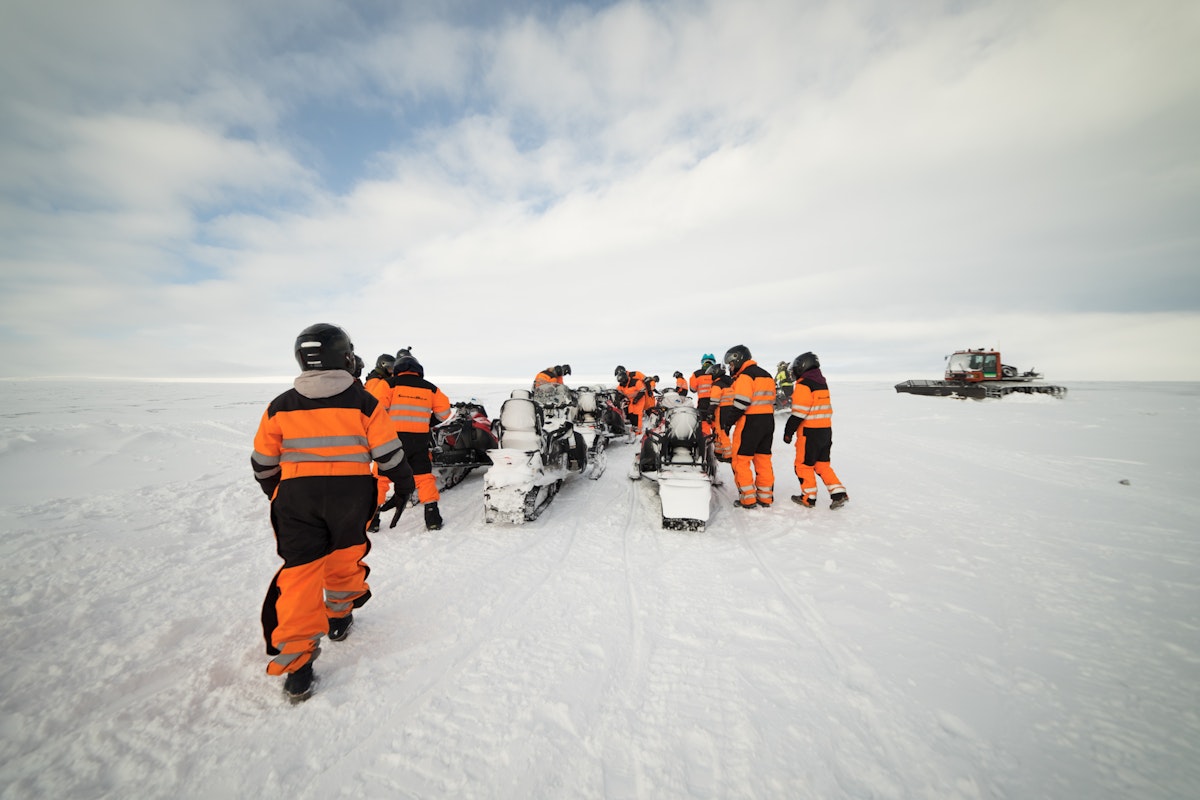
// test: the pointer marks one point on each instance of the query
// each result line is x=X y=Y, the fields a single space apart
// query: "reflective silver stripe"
x=385 y=449
x=401 y=408
x=264 y=459
x=313 y=442
x=267 y=473
x=763 y=397
x=442 y=416
x=340 y=601
x=283 y=659
x=389 y=458
x=294 y=457
x=423 y=417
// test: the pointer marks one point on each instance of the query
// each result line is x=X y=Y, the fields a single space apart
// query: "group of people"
x=328 y=451
x=736 y=401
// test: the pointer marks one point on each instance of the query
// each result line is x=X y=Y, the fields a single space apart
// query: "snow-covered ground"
x=1007 y=608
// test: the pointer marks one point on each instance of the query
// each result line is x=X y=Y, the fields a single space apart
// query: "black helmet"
x=359 y=366
x=566 y=369
x=324 y=346
x=736 y=356
x=384 y=362
x=803 y=363
x=406 y=362
x=619 y=371
x=715 y=369
x=557 y=371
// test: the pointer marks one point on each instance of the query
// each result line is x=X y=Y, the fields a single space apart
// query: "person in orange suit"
x=377 y=384
x=700 y=382
x=752 y=420
x=415 y=406
x=312 y=456
x=720 y=404
x=811 y=422
x=681 y=384
x=633 y=386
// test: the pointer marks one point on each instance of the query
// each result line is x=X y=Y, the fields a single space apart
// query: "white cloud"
x=638 y=178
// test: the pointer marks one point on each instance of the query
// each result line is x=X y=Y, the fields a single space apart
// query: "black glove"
x=789 y=430
x=268 y=485
x=638 y=395
x=399 y=501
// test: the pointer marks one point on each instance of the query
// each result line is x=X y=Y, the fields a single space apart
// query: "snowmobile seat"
x=523 y=394
x=520 y=424
x=585 y=400
x=684 y=439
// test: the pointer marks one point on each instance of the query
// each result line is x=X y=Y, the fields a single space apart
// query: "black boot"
x=374 y=526
x=298 y=685
x=339 y=627
x=433 y=517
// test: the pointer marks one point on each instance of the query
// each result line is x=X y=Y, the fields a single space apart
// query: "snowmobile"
x=678 y=457
x=539 y=448
x=598 y=419
x=783 y=397
x=461 y=443
x=980 y=374
x=783 y=387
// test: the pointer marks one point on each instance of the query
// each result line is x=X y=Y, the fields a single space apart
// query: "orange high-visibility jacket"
x=545 y=376
x=379 y=388
x=636 y=383
x=301 y=436
x=416 y=404
x=753 y=391
x=810 y=403
x=701 y=383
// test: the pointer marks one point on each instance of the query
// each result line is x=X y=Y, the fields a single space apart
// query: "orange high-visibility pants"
x=320 y=532
x=417 y=451
x=753 y=472
x=813 y=448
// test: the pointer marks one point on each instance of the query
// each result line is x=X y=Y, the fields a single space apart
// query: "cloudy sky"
x=503 y=186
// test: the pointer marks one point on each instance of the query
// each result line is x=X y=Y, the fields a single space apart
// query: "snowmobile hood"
x=318 y=383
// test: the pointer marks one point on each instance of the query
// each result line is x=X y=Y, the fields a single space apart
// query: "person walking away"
x=752 y=419
x=416 y=405
x=312 y=457
x=811 y=422
x=681 y=384
x=377 y=384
